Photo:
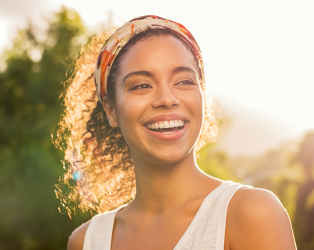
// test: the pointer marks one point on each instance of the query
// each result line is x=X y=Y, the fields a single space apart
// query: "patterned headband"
x=121 y=36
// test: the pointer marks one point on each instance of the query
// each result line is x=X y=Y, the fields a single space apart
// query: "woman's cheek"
x=129 y=113
x=195 y=103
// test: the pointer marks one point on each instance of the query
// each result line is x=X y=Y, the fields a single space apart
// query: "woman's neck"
x=167 y=186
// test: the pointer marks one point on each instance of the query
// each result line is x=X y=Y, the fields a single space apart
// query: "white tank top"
x=206 y=231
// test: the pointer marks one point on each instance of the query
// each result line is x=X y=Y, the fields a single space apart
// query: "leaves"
x=30 y=108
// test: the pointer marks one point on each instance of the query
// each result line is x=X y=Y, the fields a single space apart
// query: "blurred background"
x=259 y=61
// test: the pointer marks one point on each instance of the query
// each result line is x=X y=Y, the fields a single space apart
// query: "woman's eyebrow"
x=182 y=69
x=138 y=73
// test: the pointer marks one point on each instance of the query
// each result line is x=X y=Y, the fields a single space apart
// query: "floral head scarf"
x=121 y=36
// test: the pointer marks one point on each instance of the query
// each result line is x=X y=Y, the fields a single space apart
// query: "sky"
x=257 y=54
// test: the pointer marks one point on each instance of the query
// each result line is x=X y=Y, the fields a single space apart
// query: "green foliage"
x=215 y=163
x=29 y=110
x=294 y=185
x=304 y=211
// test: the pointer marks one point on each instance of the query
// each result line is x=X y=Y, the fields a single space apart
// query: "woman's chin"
x=169 y=156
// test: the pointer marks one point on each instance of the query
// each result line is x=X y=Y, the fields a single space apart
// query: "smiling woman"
x=132 y=151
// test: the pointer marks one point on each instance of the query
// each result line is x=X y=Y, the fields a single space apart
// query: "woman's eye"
x=141 y=86
x=186 y=82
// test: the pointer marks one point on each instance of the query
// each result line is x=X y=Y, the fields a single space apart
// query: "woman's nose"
x=165 y=97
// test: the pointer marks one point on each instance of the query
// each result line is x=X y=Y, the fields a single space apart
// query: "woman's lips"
x=166 y=117
x=169 y=134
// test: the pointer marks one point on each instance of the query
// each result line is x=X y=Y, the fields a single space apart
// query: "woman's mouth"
x=166 y=127
x=167 y=130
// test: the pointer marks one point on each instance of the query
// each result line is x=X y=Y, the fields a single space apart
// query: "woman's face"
x=158 y=100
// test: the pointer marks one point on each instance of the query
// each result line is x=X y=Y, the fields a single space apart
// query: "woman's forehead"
x=159 y=52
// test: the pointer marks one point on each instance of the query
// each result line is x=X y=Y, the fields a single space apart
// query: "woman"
x=150 y=114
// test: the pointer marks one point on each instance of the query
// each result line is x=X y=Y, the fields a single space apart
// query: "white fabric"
x=206 y=231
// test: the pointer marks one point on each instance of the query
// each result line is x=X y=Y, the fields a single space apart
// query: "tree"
x=294 y=185
x=29 y=110
x=304 y=214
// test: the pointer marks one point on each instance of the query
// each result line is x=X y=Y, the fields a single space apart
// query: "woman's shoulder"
x=97 y=225
x=258 y=220
x=250 y=202
x=256 y=203
x=76 y=240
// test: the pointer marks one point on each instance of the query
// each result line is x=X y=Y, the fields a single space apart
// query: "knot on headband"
x=121 y=36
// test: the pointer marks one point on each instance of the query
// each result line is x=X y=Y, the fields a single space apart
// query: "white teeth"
x=166 y=124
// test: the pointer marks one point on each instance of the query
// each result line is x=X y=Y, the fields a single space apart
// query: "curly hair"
x=99 y=167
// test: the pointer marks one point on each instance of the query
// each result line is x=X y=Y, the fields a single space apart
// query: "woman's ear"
x=111 y=113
